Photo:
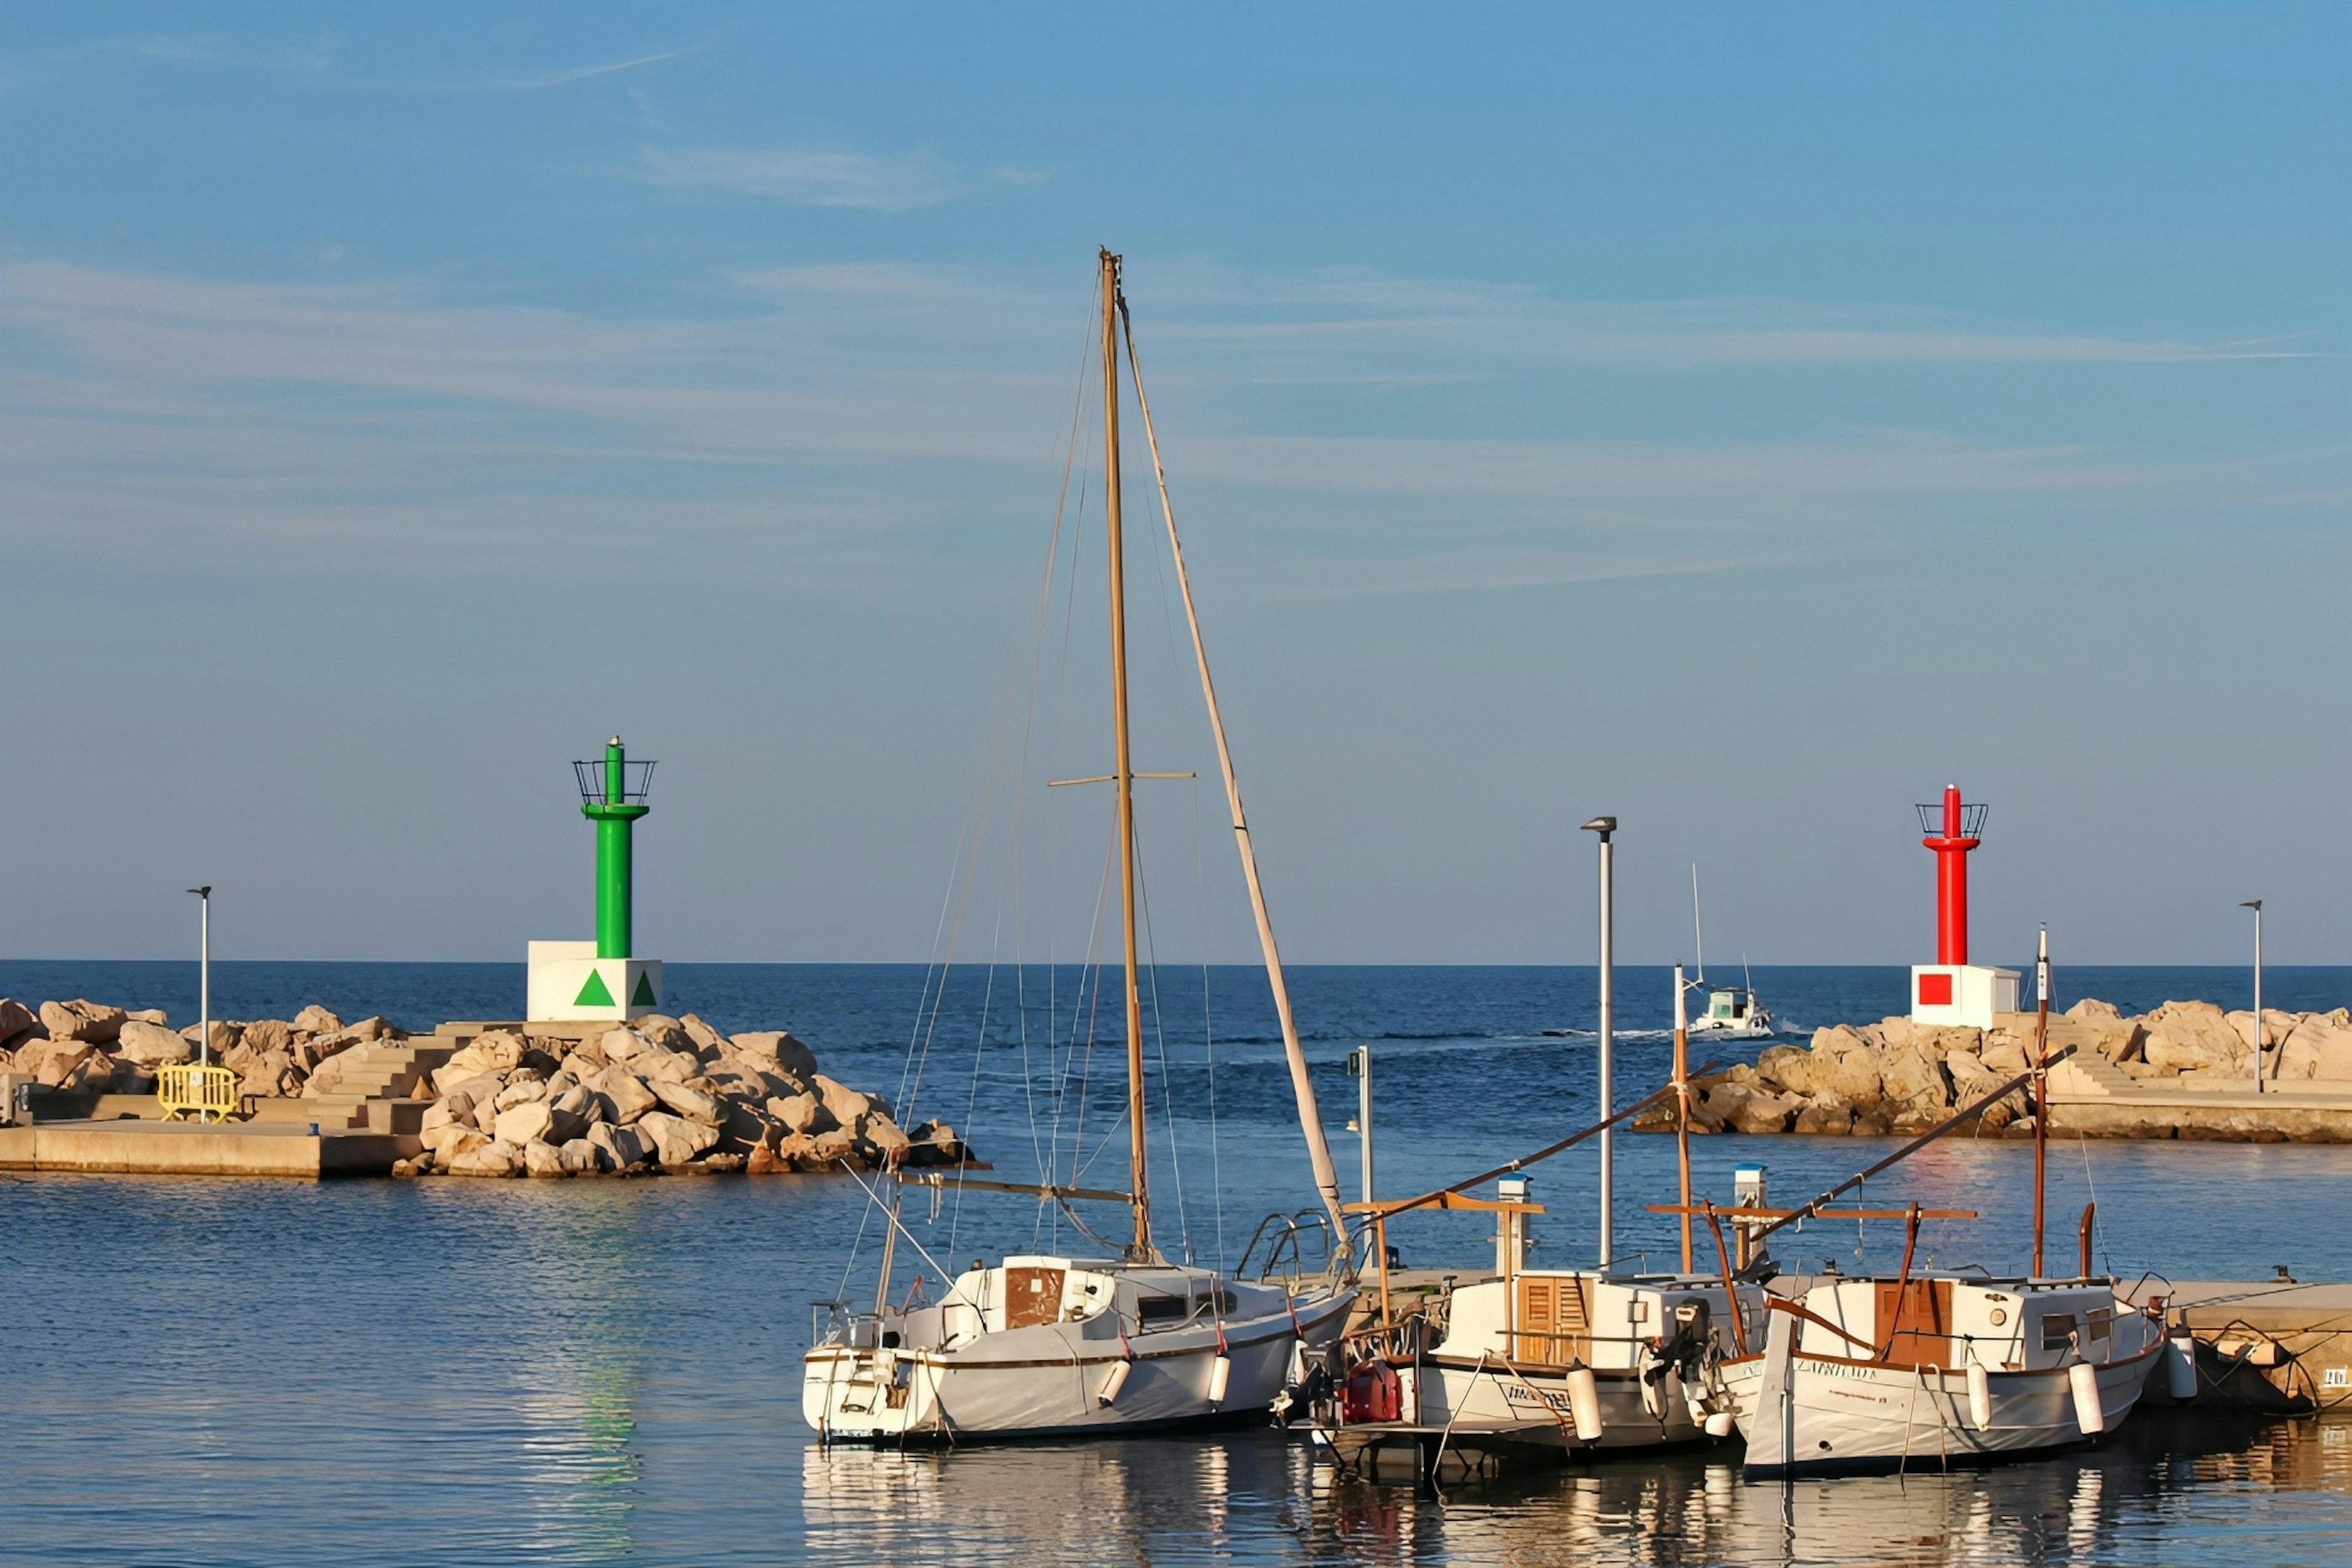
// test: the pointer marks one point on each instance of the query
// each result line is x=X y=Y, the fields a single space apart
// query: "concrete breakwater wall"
x=485 y=1099
x=2184 y=1070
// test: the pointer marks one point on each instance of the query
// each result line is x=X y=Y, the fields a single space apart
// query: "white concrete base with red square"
x=1965 y=996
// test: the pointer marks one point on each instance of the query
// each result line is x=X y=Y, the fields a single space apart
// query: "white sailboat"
x=1875 y=1374
x=1043 y=1345
x=1732 y=1012
x=1941 y=1369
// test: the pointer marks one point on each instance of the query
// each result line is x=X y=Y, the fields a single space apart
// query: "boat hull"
x=1852 y=1418
x=1049 y=1381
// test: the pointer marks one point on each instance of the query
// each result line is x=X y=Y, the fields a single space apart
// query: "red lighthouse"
x=1959 y=827
x=1952 y=990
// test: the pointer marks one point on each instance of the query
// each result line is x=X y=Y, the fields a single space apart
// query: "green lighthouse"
x=604 y=979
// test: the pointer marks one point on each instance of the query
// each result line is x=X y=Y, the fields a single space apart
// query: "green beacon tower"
x=589 y=982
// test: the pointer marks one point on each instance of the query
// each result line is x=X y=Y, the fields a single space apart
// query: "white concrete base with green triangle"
x=569 y=982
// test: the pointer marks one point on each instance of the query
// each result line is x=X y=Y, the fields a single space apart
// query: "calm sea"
x=484 y=1373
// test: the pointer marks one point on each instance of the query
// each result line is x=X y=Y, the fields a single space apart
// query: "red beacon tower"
x=1952 y=990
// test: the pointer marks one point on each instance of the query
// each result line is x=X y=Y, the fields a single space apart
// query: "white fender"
x=2180 y=1366
x=1980 y=1397
x=1109 y=1394
x=1719 y=1424
x=1220 y=1371
x=2082 y=1378
x=1584 y=1403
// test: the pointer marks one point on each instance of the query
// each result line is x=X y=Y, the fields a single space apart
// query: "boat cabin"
x=1729 y=1007
x=2002 y=1325
x=1103 y=1296
x=1561 y=1317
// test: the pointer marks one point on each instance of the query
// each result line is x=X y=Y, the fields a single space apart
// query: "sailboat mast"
x=1122 y=764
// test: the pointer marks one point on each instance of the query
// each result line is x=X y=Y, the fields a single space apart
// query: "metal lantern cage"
x=1972 y=817
x=636 y=783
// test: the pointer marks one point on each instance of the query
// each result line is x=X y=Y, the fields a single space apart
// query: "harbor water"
x=446 y=1371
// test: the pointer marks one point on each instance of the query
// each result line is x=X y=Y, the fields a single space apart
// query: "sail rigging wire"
x=1160 y=1041
x=1310 y=1122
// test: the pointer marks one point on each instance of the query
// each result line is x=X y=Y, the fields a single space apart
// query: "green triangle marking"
x=643 y=996
x=594 y=994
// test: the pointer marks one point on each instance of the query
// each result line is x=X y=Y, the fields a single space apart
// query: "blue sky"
x=1742 y=419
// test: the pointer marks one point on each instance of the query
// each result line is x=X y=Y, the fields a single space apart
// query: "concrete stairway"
x=373 y=1092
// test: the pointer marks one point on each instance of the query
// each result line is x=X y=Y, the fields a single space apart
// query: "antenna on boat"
x=1698 y=937
x=1123 y=765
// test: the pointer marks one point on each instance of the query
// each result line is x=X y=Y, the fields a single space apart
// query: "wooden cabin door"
x=1555 y=1321
x=1920 y=1317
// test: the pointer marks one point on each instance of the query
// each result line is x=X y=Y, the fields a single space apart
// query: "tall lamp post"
x=1605 y=826
x=2256 y=905
x=204 y=974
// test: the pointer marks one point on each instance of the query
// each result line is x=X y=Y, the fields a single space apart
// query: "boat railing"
x=835 y=1323
x=1290 y=1241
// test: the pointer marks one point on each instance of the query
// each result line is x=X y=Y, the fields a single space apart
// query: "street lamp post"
x=2256 y=905
x=204 y=974
x=1605 y=826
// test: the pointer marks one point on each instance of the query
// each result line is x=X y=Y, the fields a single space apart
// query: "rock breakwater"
x=1898 y=1077
x=658 y=1094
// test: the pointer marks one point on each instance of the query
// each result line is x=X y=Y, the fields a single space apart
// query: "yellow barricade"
x=208 y=1093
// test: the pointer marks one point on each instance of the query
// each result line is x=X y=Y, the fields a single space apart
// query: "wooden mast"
x=1122 y=765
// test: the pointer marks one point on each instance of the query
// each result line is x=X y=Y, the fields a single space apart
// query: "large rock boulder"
x=688 y=1102
x=2320 y=1048
x=666 y=1033
x=17 y=1020
x=2091 y=1009
x=1908 y=1076
x=55 y=1064
x=521 y=1124
x=1825 y=1118
x=674 y=1067
x=2277 y=1027
x=492 y=1159
x=500 y=1051
x=316 y=1020
x=801 y=1112
x=271 y=1075
x=622 y=1146
x=540 y=1159
x=266 y=1034
x=624 y=1095
x=1790 y=1068
x=675 y=1140
x=707 y=1041
x=447 y=1140
x=523 y=1085
x=580 y=1158
x=846 y=1104
x=1933 y=1042
x=2194 y=1037
x=151 y=1045
x=82 y=1020
x=776 y=1047
x=1748 y=1107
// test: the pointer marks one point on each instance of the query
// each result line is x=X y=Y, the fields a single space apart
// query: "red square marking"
x=1935 y=990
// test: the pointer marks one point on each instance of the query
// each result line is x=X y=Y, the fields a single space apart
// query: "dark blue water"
x=454 y=1371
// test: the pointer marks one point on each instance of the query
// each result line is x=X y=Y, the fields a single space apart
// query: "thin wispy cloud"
x=313 y=65
x=144 y=401
x=823 y=177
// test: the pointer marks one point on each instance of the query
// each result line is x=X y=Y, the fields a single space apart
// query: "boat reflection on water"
x=2164 y=1490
